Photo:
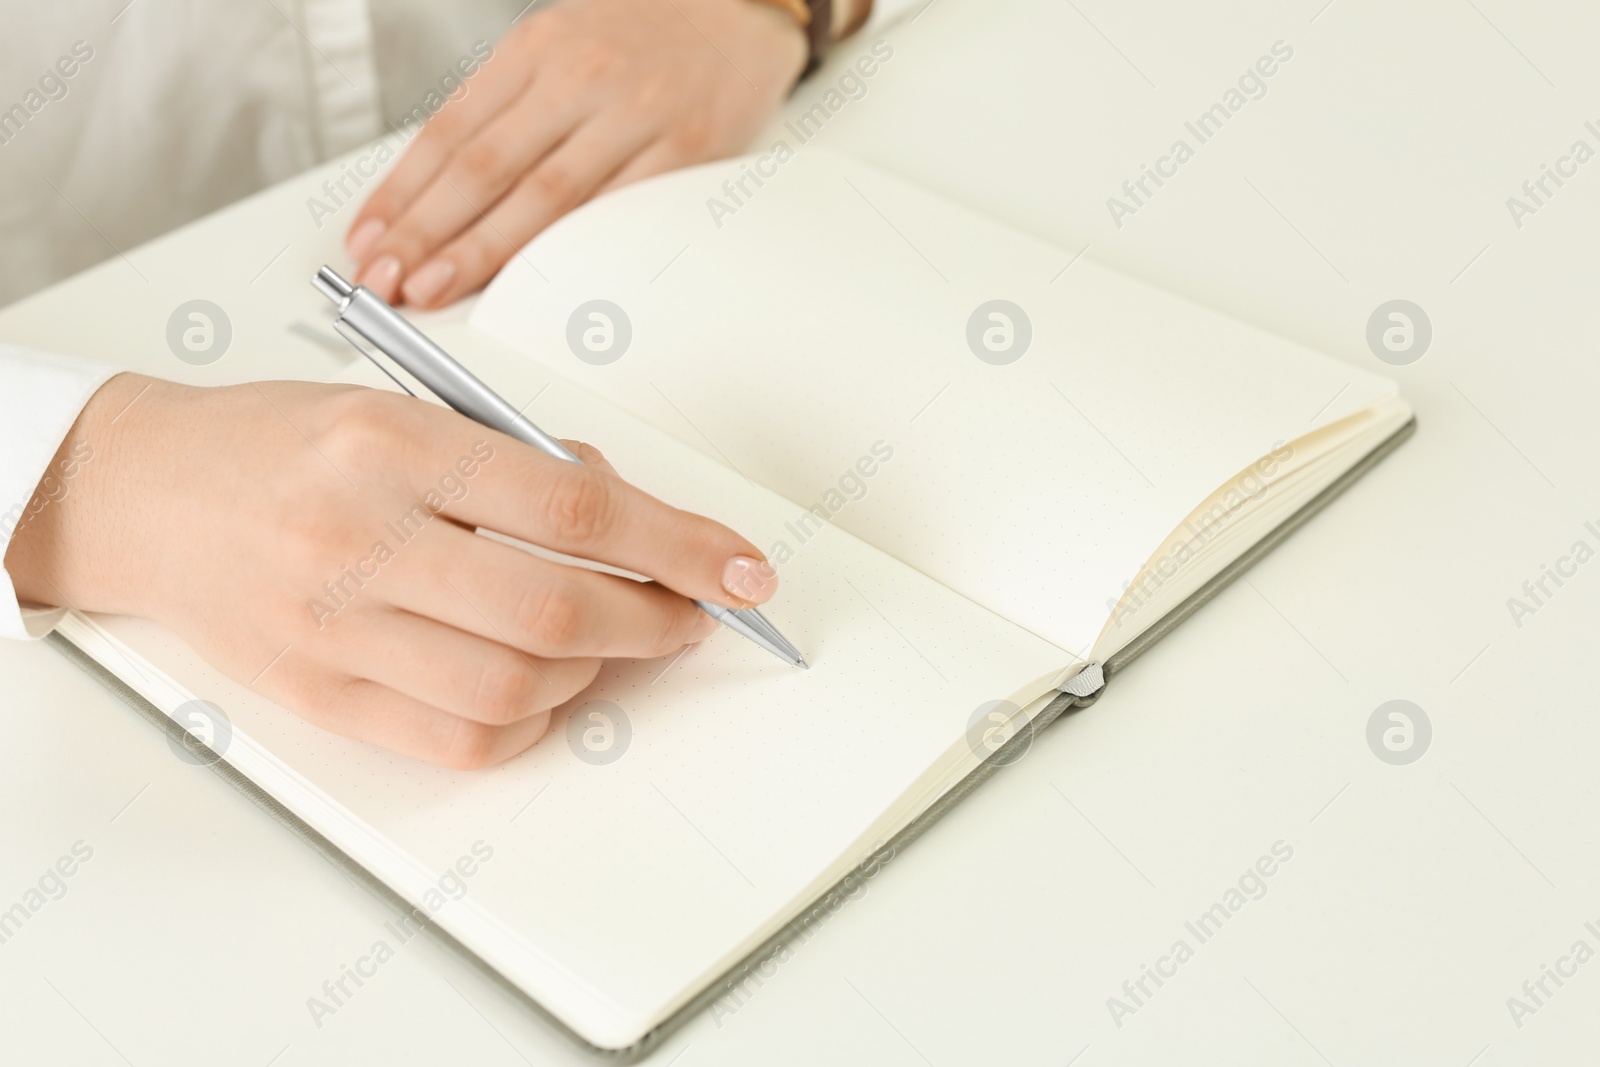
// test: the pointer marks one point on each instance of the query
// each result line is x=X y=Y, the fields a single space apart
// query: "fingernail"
x=382 y=277
x=703 y=628
x=751 y=580
x=430 y=281
x=361 y=239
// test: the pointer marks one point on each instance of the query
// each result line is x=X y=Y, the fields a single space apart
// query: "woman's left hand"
x=575 y=100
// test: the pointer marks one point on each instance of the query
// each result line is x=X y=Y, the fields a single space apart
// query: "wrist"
x=835 y=19
x=78 y=542
x=811 y=19
x=823 y=22
x=782 y=52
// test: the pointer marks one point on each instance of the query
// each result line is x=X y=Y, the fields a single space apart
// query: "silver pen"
x=365 y=316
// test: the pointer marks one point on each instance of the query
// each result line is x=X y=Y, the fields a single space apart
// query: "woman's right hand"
x=316 y=543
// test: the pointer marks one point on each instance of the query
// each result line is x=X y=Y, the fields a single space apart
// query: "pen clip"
x=373 y=353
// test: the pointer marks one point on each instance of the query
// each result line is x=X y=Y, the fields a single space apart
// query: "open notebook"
x=979 y=511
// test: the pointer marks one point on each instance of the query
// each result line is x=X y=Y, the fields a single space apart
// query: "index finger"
x=442 y=134
x=589 y=512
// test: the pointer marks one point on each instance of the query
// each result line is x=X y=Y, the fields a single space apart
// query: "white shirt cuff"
x=40 y=398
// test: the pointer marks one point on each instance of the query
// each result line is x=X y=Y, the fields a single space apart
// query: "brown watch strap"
x=817 y=31
x=817 y=19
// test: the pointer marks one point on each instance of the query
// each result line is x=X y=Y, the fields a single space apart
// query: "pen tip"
x=802 y=664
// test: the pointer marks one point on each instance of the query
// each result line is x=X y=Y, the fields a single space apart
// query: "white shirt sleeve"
x=40 y=398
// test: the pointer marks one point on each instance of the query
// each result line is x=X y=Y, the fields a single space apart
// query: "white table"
x=1419 y=897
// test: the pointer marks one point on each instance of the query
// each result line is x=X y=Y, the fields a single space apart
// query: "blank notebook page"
x=616 y=889
x=830 y=310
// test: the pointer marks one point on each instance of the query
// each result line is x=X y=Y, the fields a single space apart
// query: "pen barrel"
x=445 y=378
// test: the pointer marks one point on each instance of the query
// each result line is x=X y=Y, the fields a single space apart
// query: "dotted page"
x=1051 y=421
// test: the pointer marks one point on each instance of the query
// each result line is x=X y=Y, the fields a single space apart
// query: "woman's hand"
x=316 y=543
x=577 y=99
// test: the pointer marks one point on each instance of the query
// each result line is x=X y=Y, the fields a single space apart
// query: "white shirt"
x=174 y=109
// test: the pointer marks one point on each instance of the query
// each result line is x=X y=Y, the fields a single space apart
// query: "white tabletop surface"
x=1419 y=897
